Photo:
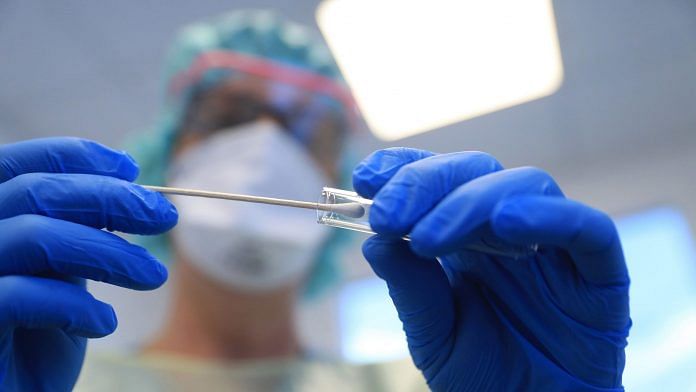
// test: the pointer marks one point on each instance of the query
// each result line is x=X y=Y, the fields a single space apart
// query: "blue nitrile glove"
x=55 y=195
x=556 y=320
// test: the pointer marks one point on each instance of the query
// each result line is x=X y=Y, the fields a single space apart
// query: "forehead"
x=224 y=62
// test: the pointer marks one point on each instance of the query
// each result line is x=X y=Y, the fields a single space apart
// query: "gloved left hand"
x=55 y=197
x=554 y=320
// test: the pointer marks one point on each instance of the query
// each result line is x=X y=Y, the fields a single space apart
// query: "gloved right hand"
x=553 y=320
x=55 y=196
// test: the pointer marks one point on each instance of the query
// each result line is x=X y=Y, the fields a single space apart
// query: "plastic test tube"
x=361 y=223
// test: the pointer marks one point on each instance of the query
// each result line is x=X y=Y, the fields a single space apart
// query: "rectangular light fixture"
x=416 y=65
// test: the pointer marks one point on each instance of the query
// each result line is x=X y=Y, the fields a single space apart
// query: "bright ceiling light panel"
x=418 y=65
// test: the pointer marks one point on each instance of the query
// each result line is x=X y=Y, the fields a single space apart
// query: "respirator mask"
x=248 y=246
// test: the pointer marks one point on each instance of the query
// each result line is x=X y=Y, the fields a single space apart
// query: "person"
x=555 y=318
x=259 y=98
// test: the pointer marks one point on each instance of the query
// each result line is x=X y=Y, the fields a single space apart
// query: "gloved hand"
x=555 y=320
x=55 y=195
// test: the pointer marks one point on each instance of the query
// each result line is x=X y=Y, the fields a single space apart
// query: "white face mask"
x=252 y=247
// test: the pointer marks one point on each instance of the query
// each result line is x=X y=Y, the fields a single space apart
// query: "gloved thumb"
x=422 y=295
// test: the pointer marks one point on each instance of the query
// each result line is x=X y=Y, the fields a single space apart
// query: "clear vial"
x=350 y=211
x=336 y=218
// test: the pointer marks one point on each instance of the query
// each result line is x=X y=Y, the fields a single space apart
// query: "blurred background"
x=618 y=132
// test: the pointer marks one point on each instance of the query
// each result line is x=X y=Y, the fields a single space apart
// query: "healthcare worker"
x=555 y=318
x=257 y=107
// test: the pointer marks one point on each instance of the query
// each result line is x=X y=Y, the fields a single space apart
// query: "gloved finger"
x=588 y=235
x=450 y=225
x=421 y=293
x=65 y=155
x=96 y=201
x=379 y=167
x=417 y=187
x=38 y=303
x=33 y=244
